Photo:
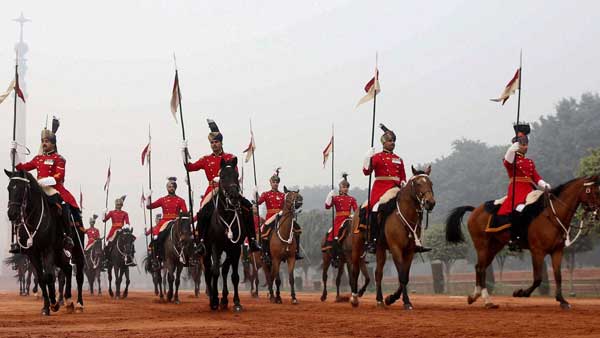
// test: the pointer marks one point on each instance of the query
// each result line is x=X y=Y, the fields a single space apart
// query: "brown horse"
x=402 y=217
x=547 y=232
x=256 y=263
x=345 y=259
x=283 y=245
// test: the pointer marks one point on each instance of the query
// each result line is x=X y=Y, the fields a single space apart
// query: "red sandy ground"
x=434 y=316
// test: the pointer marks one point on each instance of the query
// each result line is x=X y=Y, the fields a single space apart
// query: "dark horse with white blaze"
x=120 y=252
x=400 y=221
x=345 y=258
x=39 y=239
x=178 y=251
x=282 y=245
x=225 y=233
x=93 y=265
x=548 y=232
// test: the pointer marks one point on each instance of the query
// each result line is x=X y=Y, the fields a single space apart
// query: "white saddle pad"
x=531 y=198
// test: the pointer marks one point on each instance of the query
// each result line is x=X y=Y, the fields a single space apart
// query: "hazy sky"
x=295 y=67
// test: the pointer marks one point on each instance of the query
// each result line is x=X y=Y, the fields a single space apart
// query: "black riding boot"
x=266 y=256
x=106 y=257
x=298 y=254
x=336 y=251
x=373 y=233
x=67 y=241
x=516 y=232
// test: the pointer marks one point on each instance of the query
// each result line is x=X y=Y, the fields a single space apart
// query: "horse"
x=282 y=245
x=120 y=252
x=547 y=233
x=195 y=268
x=344 y=259
x=177 y=250
x=401 y=218
x=20 y=264
x=256 y=263
x=93 y=267
x=225 y=233
x=156 y=274
x=38 y=237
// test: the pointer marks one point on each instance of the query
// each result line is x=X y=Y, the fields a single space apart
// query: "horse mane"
x=17 y=259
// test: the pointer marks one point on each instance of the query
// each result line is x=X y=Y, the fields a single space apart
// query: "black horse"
x=20 y=264
x=40 y=240
x=120 y=253
x=93 y=266
x=225 y=233
x=178 y=249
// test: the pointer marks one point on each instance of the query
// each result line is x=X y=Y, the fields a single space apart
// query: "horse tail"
x=453 y=224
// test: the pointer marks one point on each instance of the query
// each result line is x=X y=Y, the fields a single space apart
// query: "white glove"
x=47 y=181
x=367 y=161
x=402 y=184
x=184 y=144
x=543 y=185
x=510 y=153
x=13 y=145
x=104 y=213
x=216 y=179
x=329 y=197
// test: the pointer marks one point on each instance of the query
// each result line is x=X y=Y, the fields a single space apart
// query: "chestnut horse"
x=548 y=232
x=400 y=219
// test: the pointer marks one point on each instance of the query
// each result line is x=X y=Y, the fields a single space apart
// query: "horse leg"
x=235 y=280
x=379 y=275
x=556 y=262
x=79 y=279
x=110 y=291
x=159 y=282
x=225 y=293
x=28 y=282
x=537 y=258
x=275 y=278
x=338 y=280
x=357 y=250
x=127 y=281
x=214 y=286
x=41 y=278
x=118 y=280
x=397 y=257
x=171 y=279
x=291 y=264
x=326 y=262
x=408 y=258
x=98 y=274
x=179 y=267
x=365 y=273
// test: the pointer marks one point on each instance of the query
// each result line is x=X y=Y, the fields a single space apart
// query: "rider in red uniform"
x=344 y=206
x=119 y=218
x=92 y=232
x=211 y=164
x=526 y=180
x=50 y=167
x=171 y=205
x=274 y=201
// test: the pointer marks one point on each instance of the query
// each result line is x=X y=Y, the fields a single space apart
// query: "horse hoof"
x=79 y=308
x=471 y=299
x=323 y=297
x=295 y=301
x=255 y=295
x=45 y=312
x=237 y=308
x=361 y=293
x=519 y=293
x=272 y=300
x=278 y=301
x=70 y=308
x=354 y=301
x=408 y=307
x=491 y=306
x=54 y=307
x=380 y=305
x=224 y=307
x=61 y=302
x=177 y=302
x=214 y=307
x=565 y=306
x=388 y=301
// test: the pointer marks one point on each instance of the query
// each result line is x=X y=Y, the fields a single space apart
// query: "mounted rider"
x=389 y=173
x=274 y=201
x=171 y=205
x=92 y=233
x=119 y=219
x=50 y=167
x=211 y=164
x=526 y=180
x=344 y=205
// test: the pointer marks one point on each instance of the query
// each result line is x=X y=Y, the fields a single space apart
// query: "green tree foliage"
x=435 y=237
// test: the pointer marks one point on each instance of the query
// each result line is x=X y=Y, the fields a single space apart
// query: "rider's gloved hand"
x=367 y=160
x=47 y=181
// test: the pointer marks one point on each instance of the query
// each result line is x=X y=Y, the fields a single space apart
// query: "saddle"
x=498 y=223
x=268 y=227
x=341 y=235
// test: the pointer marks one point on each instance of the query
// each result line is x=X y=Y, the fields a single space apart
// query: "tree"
x=503 y=255
x=443 y=251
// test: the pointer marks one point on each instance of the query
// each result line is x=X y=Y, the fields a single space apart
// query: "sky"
x=296 y=68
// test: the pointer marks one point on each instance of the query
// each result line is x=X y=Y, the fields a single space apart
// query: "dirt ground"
x=141 y=315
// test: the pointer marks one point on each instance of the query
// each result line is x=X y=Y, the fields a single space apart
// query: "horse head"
x=184 y=231
x=19 y=185
x=422 y=188
x=127 y=239
x=590 y=196
x=229 y=181
x=293 y=199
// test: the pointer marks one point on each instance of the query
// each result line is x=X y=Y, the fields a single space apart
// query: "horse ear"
x=223 y=163
x=414 y=171
x=285 y=189
x=9 y=173
x=234 y=161
x=428 y=170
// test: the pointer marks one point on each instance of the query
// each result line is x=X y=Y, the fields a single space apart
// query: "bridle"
x=292 y=213
x=23 y=217
x=230 y=205
x=420 y=199
x=420 y=196
x=178 y=242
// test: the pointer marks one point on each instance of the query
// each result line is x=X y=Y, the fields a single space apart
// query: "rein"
x=23 y=214
x=229 y=206
x=180 y=254
x=293 y=215
x=420 y=199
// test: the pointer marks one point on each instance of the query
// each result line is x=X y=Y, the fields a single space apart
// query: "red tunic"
x=527 y=176
x=51 y=165
x=274 y=201
x=118 y=218
x=344 y=205
x=171 y=206
x=211 y=164
x=93 y=234
x=389 y=172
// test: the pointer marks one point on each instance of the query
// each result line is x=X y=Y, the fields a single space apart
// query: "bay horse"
x=345 y=259
x=282 y=245
x=401 y=219
x=178 y=249
x=93 y=266
x=225 y=233
x=256 y=263
x=120 y=252
x=39 y=239
x=547 y=232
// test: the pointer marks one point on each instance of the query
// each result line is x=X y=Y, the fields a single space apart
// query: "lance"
x=186 y=155
x=13 y=152
x=106 y=200
x=332 y=174
x=149 y=156
x=372 y=142
x=259 y=235
x=516 y=131
x=144 y=211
